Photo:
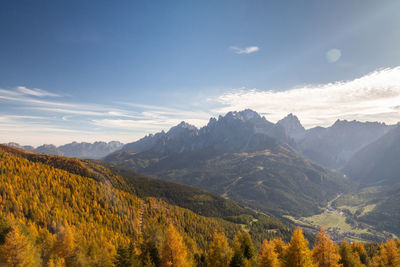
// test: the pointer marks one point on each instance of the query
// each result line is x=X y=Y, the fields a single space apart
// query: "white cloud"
x=35 y=92
x=246 y=50
x=373 y=97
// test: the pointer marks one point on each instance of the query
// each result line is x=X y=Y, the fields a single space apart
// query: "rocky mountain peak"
x=182 y=128
x=292 y=126
x=244 y=115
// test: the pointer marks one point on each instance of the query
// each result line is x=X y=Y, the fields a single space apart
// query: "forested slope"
x=53 y=214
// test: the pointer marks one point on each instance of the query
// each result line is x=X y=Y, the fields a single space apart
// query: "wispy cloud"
x=373 y=97
x=35 y=92
x=245 y=50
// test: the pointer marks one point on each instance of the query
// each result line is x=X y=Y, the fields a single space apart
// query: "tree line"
x=272 y=253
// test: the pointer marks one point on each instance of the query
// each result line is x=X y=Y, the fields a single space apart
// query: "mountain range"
x=82 y=150
x=241 y=156
x=280 y=168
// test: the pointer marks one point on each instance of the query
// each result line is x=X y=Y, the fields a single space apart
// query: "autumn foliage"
x=50 y=216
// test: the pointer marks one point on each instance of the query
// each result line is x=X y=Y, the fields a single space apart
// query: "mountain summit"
x=292 y=126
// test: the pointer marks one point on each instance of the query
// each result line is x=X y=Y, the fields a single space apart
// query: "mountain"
x=292 y=126
x=237 y=131
x=57 y=209
x=376 y=169
x=378 y=162
x=241 y=156
x=94 y=150
x=334 y=146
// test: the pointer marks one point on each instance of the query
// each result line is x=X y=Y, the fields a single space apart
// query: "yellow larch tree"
x=348 y=258
x=280 y=247
x=174 y=251
x=297 y=253
x=388 y=255
x=325 y=251
x=219 y=254
x=18 y=251
x=267 y=256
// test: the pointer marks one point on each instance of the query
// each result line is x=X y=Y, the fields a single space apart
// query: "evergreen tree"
x=237 y=260
x=174 y=252
x=297 y=253
x=123 y=257
x=267 y=256
x=325 y=251
x=243 y=244
x=220 y=253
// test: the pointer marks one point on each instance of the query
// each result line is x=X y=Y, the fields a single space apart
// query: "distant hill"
x=96 y=150
x=241 y=156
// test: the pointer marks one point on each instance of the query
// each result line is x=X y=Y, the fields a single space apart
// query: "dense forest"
x=56 y=211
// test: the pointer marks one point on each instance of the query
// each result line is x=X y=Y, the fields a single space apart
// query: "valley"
x=340 y=224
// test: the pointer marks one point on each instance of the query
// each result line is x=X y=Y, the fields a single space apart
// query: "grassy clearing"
x=367 y=209
x=330 y=220
x=352 y=209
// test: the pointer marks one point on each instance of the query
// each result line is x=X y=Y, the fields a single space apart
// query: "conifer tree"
x=279 y=247
x=267 y=256
x=297 y=253
x=359 y=250
x=242 y=243
x=220 y=253
x=174 y=252
x=388 y=255
x=17 y=251
x=65 y=242
x=237 y=260
x=347 y=257
x=325 y=251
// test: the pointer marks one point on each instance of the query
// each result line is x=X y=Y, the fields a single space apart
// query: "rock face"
x=241 y=156
x=96 y=150
x=293 y=127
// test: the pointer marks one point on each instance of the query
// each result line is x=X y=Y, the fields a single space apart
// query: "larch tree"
x=280 y=247
x=388 y=255
x=325 y=251
x=297 y=253
x=219 y=254
x=174 y=251
x=18 y=251
x=267 y=256
x=347 y=257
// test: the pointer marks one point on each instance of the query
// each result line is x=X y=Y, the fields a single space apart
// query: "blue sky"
x=116 y=70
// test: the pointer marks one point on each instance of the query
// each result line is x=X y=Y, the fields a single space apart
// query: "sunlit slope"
x=43 y=201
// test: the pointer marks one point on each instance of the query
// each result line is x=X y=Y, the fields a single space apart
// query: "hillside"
x=56 y=209
x=240 y=157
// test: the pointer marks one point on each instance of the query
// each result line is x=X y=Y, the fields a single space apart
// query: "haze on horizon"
x=95 y=70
